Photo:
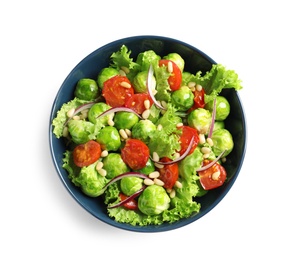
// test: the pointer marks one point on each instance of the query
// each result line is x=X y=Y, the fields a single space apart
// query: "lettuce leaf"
x=215 y=80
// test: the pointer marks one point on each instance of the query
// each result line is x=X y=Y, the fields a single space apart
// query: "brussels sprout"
x=114 y=165
x=186 y=78
x=81 y=131
x=130 y=185
x=148 y=168
x=125 y=120
x=177 y=59
x=222 y=108
x=86 y=89
x=143 y=130
x=218 y=125
x=96 y=110
x=146 y=58
x=200 y=119
x=140 y=81
x=90 y=181
x=105 y=74
x=109 y=138
x=222 y=140
x=153 y=200
x=183 y=98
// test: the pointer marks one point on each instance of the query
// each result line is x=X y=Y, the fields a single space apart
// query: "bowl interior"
x=194 y=60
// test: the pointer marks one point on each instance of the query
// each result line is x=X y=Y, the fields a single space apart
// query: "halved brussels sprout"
x=129 y=185
x=222 y=108
x=183 y=98
x=109 y=138
x=125 y=120
x=143 y=130
x=105 y=74
x=98 y=109
x=222 y=140
x=200 y=119
x=114 y=165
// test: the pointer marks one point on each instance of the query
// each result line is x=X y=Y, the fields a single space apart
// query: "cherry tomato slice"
x=135 y=154
x=136 y=102
x=131 y=204
x=213 y=177
x=175 y=78
x=187 y=134
x=169 y=173
x=86 y=154
x=114 y=93
x=199 y=99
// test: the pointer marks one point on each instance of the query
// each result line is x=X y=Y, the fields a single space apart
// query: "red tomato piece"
x=86 y=154
x=199 y=99
x=213 y=177
x=136 y=102
x=175 y=78
x=115 y=93
x=169 y=173
x=131 y=204
x=135 y=154
x=187 y=134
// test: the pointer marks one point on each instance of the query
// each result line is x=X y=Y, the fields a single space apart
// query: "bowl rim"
x=150 y=228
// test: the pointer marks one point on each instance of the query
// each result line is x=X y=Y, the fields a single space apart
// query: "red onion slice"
x=118 y=109
x=150 y=87
x=213 y=119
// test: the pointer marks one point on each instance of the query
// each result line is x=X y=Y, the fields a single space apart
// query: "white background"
x=41 y=42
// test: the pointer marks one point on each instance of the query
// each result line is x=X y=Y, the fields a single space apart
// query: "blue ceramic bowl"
x=194 y=60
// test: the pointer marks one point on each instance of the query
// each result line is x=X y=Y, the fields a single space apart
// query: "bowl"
x=195 y=60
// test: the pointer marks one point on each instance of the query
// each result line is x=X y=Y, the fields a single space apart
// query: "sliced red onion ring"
x=179 y=158
x=118 y=109
x=150 y=86
x=213 y=119
x=134 y=195
x=211 y=163
x=79 y=109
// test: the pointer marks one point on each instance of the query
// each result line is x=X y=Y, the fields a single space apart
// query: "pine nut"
x=178 y=184
x=158 y=182
x=154 y=174
x=179 y=125
x=125 y=84
x=123 y=134
x=122 y=73
x=158 y=165
x=192 y=84
x=99 y=165
x=199 y=87
x=146 y=114
x=104 y=153
x=76 y=117
x=155 y=157
x=125 y=69
x=110 y=122
x=71 y=112
x=148 y=182
x=164 y=104
x=210 y=141
x=102 y=172
x=223 y=159
x=147 y=103
x=176 y=155
x=128 y=132
x=172 y=194
x=159 y=127
x=206 y=155
x=169 y=67
x=202 y=138
x=215 y=176
x=205 y=150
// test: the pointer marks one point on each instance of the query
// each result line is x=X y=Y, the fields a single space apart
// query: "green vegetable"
x=98 y=109
x=222 y=108
x=140 y=82
x=109 y=138
x=183 y=98
x=153 y=200
x=105 y=74
x=144 y=59
x=222 y=140
x=114 y=165
x=81 y=131
x=200 y=119
x=148 y=168
x=143 y=130
x=129 y=185
x=125 y=120
x=177 y=59
x=86 y=89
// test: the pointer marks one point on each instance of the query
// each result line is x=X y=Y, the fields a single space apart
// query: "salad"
x=148 y=137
